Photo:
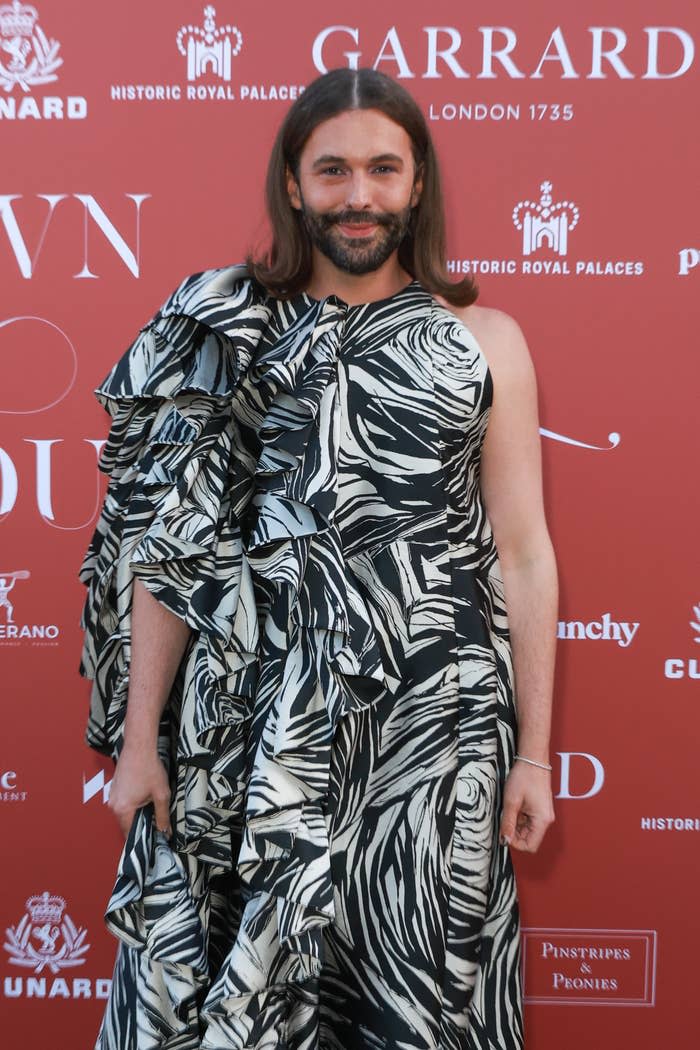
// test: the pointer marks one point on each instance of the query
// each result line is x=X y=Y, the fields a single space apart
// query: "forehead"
x=357 y=134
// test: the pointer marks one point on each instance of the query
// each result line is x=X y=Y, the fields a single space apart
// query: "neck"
x=327 y=279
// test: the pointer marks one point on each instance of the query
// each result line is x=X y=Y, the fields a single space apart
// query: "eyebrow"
x=382 y=158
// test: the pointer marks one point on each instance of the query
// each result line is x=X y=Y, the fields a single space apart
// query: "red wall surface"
x=110 y=195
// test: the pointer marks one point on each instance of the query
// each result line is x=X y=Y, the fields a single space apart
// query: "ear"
x=293 y=189
x=417 y=186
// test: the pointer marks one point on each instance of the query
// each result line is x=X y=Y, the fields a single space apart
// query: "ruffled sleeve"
x=169 y=515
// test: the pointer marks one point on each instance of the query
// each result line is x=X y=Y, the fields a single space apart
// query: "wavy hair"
x=285 y=268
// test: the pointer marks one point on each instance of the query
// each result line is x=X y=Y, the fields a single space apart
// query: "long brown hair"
x=285 y=268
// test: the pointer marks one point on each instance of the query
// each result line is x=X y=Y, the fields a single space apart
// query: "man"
x=321 y=591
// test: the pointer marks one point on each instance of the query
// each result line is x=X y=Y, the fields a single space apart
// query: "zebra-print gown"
x=299 y=481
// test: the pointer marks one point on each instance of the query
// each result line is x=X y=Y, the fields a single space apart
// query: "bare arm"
x=511 y=484
x=158 y=640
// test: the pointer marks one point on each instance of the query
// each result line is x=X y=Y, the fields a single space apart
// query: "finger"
x=509 y=819
x=124 y=819
x=528 y=836
x=162 y=813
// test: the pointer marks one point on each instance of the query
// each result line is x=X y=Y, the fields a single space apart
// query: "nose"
x=359 y=195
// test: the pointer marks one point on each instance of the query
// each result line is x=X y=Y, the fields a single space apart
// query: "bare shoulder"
x=499 y=336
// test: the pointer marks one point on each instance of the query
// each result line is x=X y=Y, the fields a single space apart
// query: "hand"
x=528 y=809
x=140 y=777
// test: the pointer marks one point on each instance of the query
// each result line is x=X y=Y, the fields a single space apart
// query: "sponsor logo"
x=582 y=775
x=678 y=667
x=48 y=942
x=688 y=259
x=545 y=222
x=594 y=967
x=29 y=59
x=208 y=52
x=545 y=226
x=13 y=633
x=668 y=52
x=209 y=48
x=96 y=786
x=46 y=937
x=9 y=791
x=605 y=629
x=670 y=823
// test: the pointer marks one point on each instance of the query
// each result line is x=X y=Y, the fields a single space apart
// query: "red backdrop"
x=570 y=155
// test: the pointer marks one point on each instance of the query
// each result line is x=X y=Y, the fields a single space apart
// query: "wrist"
x=537 y=749
x=143 y=738
x=546 y=766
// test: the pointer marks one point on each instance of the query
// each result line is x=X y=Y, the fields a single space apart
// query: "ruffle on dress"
x=222 y=457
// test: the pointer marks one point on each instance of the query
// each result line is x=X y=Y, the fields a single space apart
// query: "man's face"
x=356 y=188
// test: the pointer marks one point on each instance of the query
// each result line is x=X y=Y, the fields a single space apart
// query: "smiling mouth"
x=357 y=229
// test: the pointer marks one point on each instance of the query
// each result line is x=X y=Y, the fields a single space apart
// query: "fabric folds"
x=222 y=458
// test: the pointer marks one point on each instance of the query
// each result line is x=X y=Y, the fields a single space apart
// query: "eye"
x=385 y=168
x=332 y=169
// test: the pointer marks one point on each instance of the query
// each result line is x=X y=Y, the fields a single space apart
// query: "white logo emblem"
x=675 y=667
x=16 y=631
x=46 y=937
x=32 y=57
x=695 y=624
x=7 y=582
x=209 y=49
x=545 y=223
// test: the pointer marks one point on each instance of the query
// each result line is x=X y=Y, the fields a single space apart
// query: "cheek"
x=320 y=195
x=398 y=193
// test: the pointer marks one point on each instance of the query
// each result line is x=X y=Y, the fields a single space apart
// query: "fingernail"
x=505 y=840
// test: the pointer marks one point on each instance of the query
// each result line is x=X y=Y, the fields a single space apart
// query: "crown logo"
x=45 y=908
x=30 y=57
x=46 y=937
x=17 y=20
x=209 y=48
x=545 y=222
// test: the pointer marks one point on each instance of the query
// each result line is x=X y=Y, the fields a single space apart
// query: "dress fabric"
x=299 y=481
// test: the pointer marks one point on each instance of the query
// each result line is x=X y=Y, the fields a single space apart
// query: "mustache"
x=360 y=218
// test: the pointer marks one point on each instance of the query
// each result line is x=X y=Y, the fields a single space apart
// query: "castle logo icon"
x=27 y=57
x=209 y=48
x=46 y=937
x=545 y=223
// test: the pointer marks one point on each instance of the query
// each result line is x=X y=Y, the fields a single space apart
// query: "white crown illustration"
x=544 y=222
x=45 y=908
x=33 y=58
x=209 y=48
x=17 y=20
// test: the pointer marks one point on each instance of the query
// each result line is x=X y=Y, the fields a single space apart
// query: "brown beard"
x=353 y=256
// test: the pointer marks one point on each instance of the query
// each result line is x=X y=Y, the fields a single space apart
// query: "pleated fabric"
x=299 y=481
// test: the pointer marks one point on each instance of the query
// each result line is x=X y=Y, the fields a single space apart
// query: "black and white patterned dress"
x=299 y=481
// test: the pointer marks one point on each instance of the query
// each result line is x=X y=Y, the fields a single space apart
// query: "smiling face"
x=355 y=187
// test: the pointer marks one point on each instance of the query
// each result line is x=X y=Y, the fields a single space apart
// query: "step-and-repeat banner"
x=134 y=140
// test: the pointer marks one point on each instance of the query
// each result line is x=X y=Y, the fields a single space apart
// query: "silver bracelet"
x=531 y=761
